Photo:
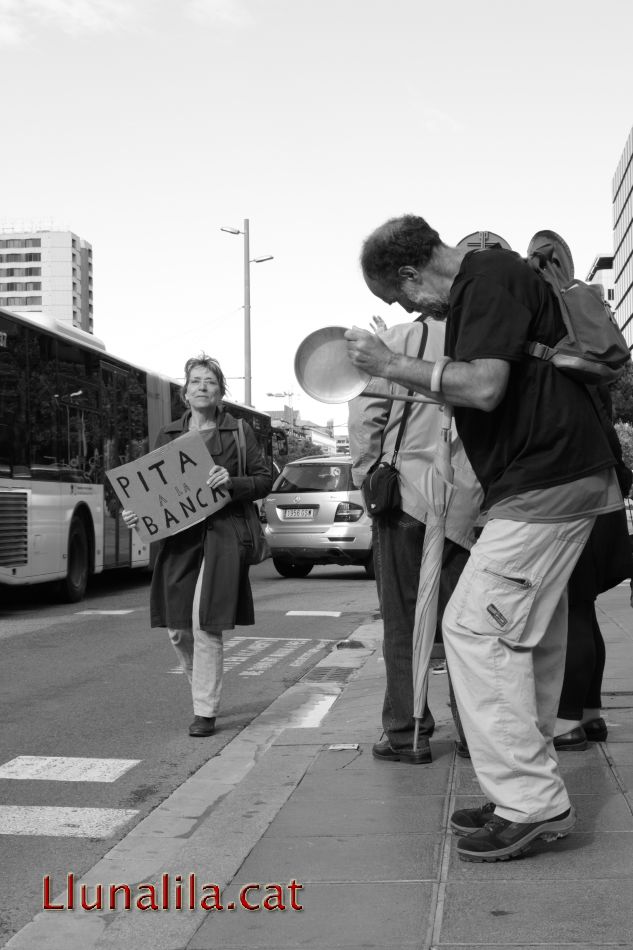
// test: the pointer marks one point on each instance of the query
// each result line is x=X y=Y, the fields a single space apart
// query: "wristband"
x=438 y=371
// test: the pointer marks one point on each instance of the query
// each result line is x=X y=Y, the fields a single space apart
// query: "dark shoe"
x=573 y=741
x=467 y=820
x=461 y=749
x=596 y=730
x=500 y=839
x=421 y=756
x=202 y=726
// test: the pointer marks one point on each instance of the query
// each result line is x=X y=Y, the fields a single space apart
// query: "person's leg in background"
x=454 y=560
x=580 y=698
x=201 y=657
x=400 y=540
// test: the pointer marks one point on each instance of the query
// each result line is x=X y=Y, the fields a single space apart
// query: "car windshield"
x=298 y=478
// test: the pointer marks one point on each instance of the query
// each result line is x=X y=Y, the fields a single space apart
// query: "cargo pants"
x=505 y=635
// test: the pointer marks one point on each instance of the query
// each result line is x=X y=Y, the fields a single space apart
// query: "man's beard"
x=438 y=310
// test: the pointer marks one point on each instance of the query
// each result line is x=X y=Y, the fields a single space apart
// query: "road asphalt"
x=306 y=841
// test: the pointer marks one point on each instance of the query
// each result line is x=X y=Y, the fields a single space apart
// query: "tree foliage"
x=622 y=396
x=298 y=447
x=625 y=435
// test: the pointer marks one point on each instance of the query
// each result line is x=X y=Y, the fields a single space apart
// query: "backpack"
x=593 y=350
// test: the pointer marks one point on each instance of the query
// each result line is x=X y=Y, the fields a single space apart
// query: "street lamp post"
x=247 y=304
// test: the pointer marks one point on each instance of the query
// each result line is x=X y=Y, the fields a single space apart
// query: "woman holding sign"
x=200 y=585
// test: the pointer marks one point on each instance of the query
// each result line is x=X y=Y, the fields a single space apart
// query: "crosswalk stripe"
x=304 y=657
x=313 y=613
x=63 y=822
x=246 y=653
x=65 y=769
x=239 y=651
x=104 y=613
x=272 y=658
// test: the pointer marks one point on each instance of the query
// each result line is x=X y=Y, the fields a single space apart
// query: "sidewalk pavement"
x=368 y=841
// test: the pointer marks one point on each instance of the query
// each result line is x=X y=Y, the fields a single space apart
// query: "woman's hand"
x=219 y=478
x=130 y=518
x=378 y=325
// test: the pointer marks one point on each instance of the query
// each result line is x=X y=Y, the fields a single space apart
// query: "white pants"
x=505 y=635
x=201 y=657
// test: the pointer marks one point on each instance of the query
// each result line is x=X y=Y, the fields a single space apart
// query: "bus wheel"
x=73 y=587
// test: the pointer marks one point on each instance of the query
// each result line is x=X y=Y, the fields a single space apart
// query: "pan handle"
x=423 y=399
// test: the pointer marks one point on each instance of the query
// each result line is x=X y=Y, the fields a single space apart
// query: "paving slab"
x=578 y=857
x=595 y=813
x=382 y=778
x=377 y=857
x=390 y=916
x=384 y=813
x=517 y=913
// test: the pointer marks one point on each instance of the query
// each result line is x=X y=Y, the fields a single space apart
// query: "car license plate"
x=296 y=514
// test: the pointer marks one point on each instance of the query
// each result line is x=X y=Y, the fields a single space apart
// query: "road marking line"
x=304 y=657
x=246 y=653
x=105 y=613
x=49 y=768
x=313 y=613
x=272 y=658
x=63 y=822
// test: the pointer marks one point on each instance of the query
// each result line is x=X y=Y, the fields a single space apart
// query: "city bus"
x=69 y=411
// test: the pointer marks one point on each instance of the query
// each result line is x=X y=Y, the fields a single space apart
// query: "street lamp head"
x=259 y=260
x=232 y=230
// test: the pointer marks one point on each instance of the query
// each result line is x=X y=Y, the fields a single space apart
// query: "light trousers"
x=202 y=659
x=505 y=634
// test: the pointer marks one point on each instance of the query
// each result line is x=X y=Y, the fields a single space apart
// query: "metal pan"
x=323 y=369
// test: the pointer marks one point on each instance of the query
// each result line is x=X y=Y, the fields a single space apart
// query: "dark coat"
x=226 y=597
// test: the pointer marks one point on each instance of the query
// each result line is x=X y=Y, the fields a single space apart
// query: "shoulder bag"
x=381 y=486
x=257 y=549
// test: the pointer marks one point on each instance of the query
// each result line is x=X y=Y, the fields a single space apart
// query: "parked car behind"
x=314 y=515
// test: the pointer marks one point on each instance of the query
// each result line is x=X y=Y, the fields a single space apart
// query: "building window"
x=20 y=301
x=33 y=242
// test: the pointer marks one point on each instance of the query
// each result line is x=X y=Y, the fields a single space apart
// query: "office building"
x=49 y=272
x=601 y=272
x=623 y=241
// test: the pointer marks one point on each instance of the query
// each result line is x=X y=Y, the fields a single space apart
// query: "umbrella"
x=430 y=568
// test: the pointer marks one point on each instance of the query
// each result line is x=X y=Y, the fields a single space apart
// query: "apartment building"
x=623 y=240
x=47 y=271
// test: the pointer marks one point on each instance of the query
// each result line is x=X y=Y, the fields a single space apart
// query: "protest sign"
x=168 y=488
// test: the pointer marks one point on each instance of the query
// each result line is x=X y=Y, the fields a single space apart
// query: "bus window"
x=13 y=382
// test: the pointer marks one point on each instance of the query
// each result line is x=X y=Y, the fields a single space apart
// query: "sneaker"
x=421 y=756
x=202 y=726
x=501 y=839
x=467 y=820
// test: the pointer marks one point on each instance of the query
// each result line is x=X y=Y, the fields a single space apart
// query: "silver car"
x=314 y=515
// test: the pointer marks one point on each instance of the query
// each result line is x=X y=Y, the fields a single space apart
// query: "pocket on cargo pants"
x=498 y=600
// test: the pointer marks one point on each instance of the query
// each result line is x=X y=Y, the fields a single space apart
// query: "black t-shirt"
x=545 y=431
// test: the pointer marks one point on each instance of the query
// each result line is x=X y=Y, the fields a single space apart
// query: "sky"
x=145 y=126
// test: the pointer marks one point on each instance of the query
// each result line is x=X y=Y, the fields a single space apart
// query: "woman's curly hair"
x=209 y=363
x=398 y=242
